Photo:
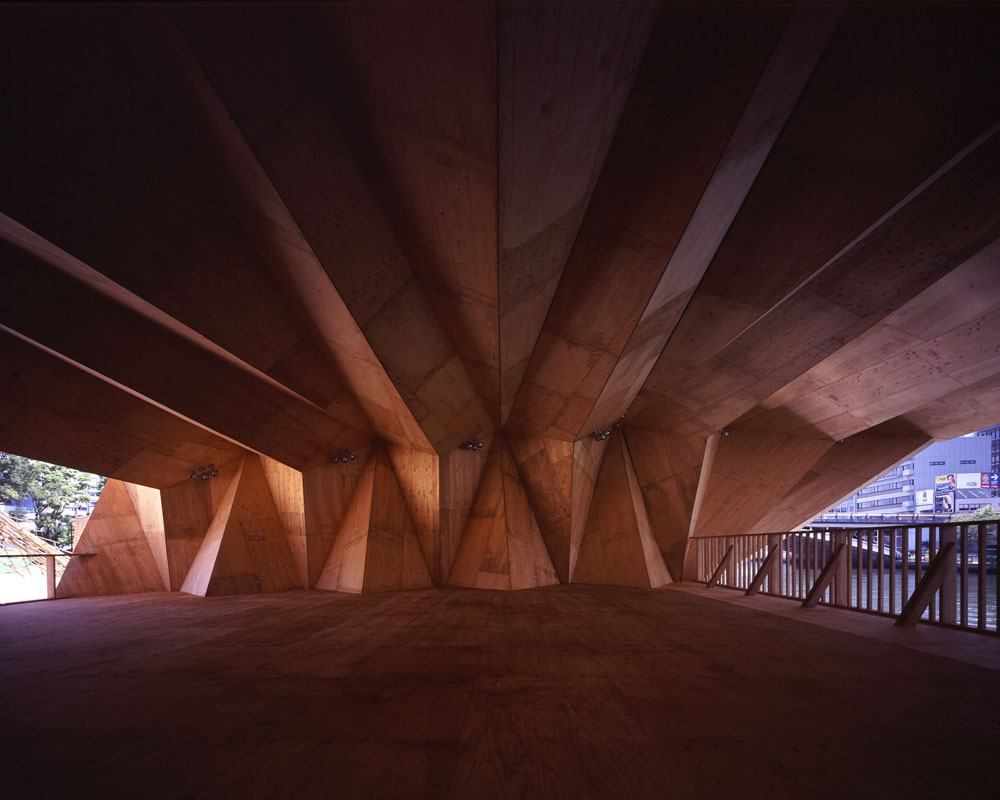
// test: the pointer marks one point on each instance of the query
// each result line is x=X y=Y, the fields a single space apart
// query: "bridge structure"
x=360 y=299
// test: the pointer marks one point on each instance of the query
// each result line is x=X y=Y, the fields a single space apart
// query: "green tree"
x=53 y=489
x=982 y=514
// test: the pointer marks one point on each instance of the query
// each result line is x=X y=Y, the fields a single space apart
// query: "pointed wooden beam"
x=832 y=569
x=273 y=230
x=563 y=81
x=768 y=569
x=941 y=566
x=309 y=162
x=794 y=58
x=726 y=567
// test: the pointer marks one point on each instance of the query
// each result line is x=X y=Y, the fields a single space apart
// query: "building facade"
x=946 y=477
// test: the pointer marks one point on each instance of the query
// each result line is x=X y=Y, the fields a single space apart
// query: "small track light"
x=473 y=444
x=725 y=432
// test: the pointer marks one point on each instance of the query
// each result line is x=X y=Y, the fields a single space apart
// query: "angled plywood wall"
x=618 y=547
x=376 y=548
x=246 y=547
x=124 y=536
x=502 y=546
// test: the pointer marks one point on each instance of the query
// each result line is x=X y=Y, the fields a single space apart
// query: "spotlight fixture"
x=725 y=432
x=343 y=457
x=204 y=473
x=600 y=434
x=473 y=444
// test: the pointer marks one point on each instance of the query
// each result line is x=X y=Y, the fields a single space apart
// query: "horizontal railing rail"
x=51 y=573
x=939 y=573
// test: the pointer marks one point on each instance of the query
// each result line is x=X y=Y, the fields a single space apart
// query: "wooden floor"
x=567 y=691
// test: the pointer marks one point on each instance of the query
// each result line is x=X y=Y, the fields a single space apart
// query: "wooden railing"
x=50 y=566
x=940 y=573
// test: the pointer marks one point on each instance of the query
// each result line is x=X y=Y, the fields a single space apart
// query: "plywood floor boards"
x=569 y=691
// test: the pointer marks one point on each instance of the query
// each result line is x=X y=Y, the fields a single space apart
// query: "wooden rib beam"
x=943 y=563
x=910 y=105
x=836 y=562
x=631 y=226
x=54 y=411
x=310 y=163
x=563 y=83
x=112 y=332
x=793 y=61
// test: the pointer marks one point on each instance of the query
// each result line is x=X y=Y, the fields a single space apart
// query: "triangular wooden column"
x=618 y=546
x=188 y=510
x=501 y=546
x=559 y=480
x=125 y=534
x=376 y=548
x=246 y=547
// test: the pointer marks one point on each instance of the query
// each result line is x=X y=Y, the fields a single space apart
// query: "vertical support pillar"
x=842 y=581
x=949 y=535
x=50 y=576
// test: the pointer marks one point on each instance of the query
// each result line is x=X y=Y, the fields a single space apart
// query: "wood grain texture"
x=668 y=468
x=149 y=510
x=563 y=82
x=546 y=469
x=705 y=379
x=794 y=58
x=844 y=469
x=286 y=489
x=502 y=546
x=254 y=554
x=464 y=693
x=750 y=472
x=588 y=455
x=416 y=97
x=376 y=547
x=124 y=562
x=274 y=233
x=310 y=162
x=245 y=549
x=618 y=547
x=631 y=227
x=189 y=508
x=328 y=490
x=56 y=412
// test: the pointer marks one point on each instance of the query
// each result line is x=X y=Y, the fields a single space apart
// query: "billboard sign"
x=967 y=480
x=944 y=503
x=925 y=497
x=942 y=482
x=989 y=480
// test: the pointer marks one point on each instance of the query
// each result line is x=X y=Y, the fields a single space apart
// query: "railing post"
x=949 y=535
x=842 y=581
x=50 y=576
x=774 y=576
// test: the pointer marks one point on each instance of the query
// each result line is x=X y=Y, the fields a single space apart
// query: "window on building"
x=937 y=463
x=972 y=461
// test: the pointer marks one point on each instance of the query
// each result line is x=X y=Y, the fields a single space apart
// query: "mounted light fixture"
x=600 y=434
x=473 y=444
x=204 y=473
x=725 y=432
x=343 y=457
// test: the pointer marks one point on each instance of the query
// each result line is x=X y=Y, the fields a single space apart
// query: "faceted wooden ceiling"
x=296 y=230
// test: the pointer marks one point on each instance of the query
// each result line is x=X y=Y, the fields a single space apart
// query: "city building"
x=954 y=471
